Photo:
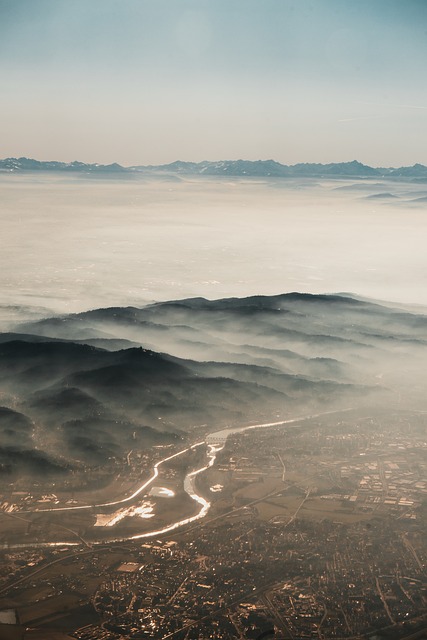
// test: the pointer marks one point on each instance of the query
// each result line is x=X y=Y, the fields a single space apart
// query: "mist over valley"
x=83 y=389
x=213 y=320
x=191 y=404
x=184 y=236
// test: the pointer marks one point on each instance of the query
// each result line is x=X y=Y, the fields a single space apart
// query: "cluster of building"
x=246 y=576
x=301 y=571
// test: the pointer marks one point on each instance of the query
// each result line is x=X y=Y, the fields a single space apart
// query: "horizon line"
x=202 y=162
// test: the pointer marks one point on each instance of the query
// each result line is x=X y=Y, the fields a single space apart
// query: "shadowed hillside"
x=197 y=362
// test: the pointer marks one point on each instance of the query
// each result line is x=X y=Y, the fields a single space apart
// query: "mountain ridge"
x=239 y=168
x=169 y=368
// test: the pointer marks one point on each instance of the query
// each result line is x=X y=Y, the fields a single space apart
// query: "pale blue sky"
x=152 y=81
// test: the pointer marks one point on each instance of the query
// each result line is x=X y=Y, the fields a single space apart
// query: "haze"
x=212 y=376
x=152 y=81
x=73 y=243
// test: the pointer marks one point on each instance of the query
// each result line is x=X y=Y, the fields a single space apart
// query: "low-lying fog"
x=80 y=390
x=71 y=243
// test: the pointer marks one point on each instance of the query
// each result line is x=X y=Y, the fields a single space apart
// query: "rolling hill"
x=73 y=395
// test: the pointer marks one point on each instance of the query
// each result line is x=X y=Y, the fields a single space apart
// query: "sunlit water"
x=215 y=443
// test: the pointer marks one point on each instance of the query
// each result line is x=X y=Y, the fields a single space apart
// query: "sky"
x=153 y=81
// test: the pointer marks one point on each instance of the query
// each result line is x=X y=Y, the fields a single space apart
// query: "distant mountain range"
x=242 y=168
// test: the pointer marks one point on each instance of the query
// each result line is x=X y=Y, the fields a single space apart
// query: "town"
x=316 y=530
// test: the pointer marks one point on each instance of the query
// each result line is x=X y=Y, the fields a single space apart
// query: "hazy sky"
x=152 y=81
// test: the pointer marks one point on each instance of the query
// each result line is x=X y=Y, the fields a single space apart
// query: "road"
x=35 y=572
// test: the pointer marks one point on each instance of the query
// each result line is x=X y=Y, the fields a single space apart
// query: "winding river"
x=215 y=442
